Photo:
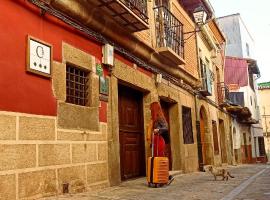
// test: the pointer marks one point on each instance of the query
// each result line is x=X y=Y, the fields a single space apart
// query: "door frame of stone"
x=205 y=138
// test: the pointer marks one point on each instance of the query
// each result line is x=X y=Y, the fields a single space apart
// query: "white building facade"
x=240 y=51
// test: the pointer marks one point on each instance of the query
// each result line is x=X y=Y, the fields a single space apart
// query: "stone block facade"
x=184 y=155
x=50 y=146
x=36 y=163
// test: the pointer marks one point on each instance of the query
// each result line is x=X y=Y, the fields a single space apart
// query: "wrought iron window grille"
x=169 y=30
x=187 y=125
x=77 y=81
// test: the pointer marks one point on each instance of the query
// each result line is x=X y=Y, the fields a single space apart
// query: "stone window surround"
x=71 y=116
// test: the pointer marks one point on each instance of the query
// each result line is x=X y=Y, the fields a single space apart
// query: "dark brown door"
x=165 y=108
x=202 y=131
x=222 y=142
x=131 y=134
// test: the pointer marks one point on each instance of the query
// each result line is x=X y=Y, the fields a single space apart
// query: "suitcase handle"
x=153 y=143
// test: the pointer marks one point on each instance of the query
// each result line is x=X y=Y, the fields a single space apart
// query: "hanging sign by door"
x=39 y=57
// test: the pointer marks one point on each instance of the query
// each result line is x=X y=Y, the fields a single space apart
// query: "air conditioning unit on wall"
x=108 y=54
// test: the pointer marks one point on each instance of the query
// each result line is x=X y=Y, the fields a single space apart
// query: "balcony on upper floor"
x=223 y=94
x=131 y=14
x=169 y=35
x=237 y=98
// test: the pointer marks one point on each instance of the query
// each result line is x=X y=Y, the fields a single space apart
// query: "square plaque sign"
x=39 y=57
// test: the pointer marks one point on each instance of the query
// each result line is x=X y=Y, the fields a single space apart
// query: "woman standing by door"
x=159 y=127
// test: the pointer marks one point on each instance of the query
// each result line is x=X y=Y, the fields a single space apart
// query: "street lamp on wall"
x=200 y=16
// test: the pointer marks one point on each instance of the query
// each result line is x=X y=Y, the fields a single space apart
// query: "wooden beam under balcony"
x=131 y=14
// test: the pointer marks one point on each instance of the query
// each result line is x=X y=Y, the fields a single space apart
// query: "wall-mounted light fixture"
x=200 y=16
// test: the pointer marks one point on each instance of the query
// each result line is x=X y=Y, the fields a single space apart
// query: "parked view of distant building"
x=241 y=74
x=78 y=78
x=264 y=100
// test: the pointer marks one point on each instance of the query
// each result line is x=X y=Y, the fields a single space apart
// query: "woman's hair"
x=157 y=113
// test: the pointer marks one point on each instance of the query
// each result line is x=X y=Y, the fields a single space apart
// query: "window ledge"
x=71 y=116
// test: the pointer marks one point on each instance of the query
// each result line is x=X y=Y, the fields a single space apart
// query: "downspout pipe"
x=90 y=16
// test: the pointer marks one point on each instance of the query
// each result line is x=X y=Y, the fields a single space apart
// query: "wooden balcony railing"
x=169 y=34
x=223 y=93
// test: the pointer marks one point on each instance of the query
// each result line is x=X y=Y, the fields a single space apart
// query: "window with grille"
x=77 y=81
x=215 y=137
x=187 y=125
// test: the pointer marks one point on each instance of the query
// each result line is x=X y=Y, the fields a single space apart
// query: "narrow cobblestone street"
x=251 y=182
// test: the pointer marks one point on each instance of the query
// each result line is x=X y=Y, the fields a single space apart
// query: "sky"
x=256 y=16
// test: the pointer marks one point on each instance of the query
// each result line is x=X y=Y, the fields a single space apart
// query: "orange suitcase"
x=157 y=171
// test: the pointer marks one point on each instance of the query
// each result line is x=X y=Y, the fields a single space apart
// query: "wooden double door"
x=131 y=134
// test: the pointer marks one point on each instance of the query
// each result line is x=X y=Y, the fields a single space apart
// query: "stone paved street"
x=258 y=189
x=194 y=186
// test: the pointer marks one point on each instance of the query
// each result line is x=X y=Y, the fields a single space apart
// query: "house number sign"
x=39 y=57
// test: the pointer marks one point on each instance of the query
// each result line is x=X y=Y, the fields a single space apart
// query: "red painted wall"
x=103 y=111
x=21 y=91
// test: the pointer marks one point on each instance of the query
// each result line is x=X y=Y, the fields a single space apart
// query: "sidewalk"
x=194 y=186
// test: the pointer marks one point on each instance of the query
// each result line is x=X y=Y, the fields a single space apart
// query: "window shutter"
x=208 y=80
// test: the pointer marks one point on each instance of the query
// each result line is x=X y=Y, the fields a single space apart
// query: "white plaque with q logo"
x=39 y=57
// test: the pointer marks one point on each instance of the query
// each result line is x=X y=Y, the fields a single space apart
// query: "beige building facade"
x=264 y=94
x=83 y=126
x=215 y=122
x=242 y=73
